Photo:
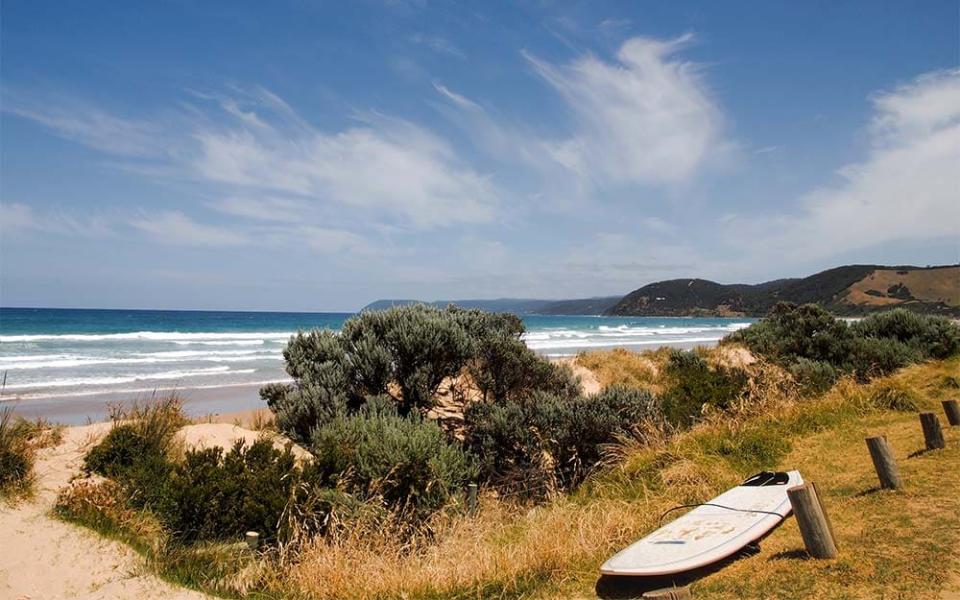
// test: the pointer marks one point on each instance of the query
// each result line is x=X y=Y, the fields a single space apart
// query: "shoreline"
x=216 y=402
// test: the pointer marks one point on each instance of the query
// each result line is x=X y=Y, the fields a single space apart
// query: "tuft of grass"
x=19 y=441
x=892 y=394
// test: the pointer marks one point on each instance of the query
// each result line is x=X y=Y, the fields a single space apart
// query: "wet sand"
x=198 y=402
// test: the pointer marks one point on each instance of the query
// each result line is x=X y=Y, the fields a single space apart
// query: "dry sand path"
x=42 y=557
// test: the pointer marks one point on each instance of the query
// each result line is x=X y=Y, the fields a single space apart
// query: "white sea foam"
x=93 y=381
x=139 y=390
x=157 y=336
x=223 y=342
x=18 y=363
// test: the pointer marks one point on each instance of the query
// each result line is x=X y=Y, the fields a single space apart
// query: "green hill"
x=848 y=291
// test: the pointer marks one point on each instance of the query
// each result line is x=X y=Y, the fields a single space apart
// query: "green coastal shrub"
x=505 y=368
x=420 y=346
x=806 y=339
x=928 y=336
x=405 y=353
x=544 y=437
x=404 y=461
x=301 y=409
x=692 y=384
x=217 y=495
x=872 y=357
x=119 y=451
x=816 y=376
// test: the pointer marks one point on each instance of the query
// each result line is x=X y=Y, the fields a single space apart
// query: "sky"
x=320 y=155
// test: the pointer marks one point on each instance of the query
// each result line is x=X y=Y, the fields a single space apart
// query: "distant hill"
x=847 y=291
x=519 y=306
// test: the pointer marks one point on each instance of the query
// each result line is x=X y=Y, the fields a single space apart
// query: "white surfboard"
x=711 y=532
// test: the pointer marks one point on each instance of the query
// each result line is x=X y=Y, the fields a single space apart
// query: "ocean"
x=49 y=354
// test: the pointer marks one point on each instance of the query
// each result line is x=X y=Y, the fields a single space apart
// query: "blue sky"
x=319 y=155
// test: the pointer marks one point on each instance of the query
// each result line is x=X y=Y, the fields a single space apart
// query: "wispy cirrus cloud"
x=90 y=126
x=438 y=44
x=646 y=117
x=174 y=227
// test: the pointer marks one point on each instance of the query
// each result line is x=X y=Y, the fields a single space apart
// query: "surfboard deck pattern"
x=707 y=533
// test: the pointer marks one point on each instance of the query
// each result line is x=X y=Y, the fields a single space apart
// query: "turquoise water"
x=50 y=353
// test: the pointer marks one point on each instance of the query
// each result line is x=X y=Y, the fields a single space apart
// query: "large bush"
x=556 y=440
x=405 y=353
x=404 y=461
x=789 y=332
x=693 y=384
x=928 y=336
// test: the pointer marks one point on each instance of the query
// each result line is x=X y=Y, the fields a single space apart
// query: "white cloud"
x=907 y=187
x=335 y=241
x=91 y=127
x=389 y=168
x=283 y=210
x=15 y=216
x=176 y=228
x=645 y=118
x=438 y=44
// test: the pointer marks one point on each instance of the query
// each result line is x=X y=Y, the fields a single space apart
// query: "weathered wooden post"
x=952 y=408
x=932 y=433
x=812 y=518
x=672 y=593
x=472 y=498
x=884 y=463
x=253 y=540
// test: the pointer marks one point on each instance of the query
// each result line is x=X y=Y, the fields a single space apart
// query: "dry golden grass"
x=624 y=367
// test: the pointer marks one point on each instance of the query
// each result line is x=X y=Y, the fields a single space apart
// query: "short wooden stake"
x=883 y=462
x=952 y=408
x=674 y=593
x=813 y=521
x=932 y=433
x=472 y=498
x=253 y=540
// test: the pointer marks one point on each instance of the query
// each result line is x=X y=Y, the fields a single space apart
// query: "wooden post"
x=673 y=593
x=952 y=408
x=472 y=498
x=253 y=540
x=932 y=433
x=813 y=521
x=883 y=462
